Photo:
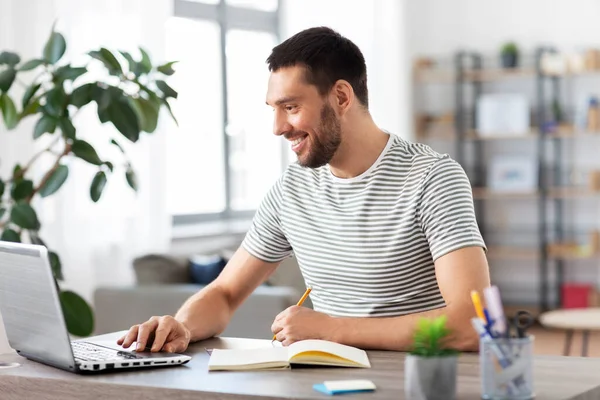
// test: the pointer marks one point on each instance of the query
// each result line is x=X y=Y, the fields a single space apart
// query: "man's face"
x=303 y=117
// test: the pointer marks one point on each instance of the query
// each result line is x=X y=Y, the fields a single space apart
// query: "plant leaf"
x=31 y=64
x=67 y=128
x=55 y=47
x=56 y=266
x=147 y=113
x=9 y=111
x=56 y=101
x=98 y=184
x=82 y=95
x=168 y=106
x=55 y=181
x=167 y=68
x=45 y=124
x=7 y=57
x=66 y=72
x=146 y=64
x=30 y=109
x=35 y=238
x=130 y=60
x=113 y=141
x=124 y=118
x=2 y=186
x=17 y=173
x=7 y=77
x=109 y=165
x=108 y=59
x=29 y=93
x=86 y=152
x=2 y=212
x=166 y=89
x=10 y=235
x=24 y=215
x=78 y=314
x=131 y=178
x=22 y=189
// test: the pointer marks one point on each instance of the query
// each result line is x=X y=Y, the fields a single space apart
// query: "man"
x=383 y=229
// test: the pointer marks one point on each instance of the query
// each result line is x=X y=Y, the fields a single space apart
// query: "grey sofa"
x=163 y=286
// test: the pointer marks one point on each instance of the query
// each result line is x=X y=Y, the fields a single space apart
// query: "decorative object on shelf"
x=515 y=174
x=509 y=55
x=430 y=367
x=594 y=180
x=578 y=295
x=128 y=97
x=592 y=60
x=554 y=64
x=593 y=115
x=501 y=114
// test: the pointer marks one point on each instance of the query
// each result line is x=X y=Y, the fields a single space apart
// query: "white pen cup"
x=506 y=368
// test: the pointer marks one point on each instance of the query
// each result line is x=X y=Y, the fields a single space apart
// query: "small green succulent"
x=430 y=336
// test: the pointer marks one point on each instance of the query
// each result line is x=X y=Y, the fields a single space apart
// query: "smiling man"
x=383 y=229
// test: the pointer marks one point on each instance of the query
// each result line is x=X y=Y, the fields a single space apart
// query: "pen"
x=477 y=304
x=494 y=305
x=304 y=296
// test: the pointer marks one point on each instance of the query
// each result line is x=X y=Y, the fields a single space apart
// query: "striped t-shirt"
x=367 y=245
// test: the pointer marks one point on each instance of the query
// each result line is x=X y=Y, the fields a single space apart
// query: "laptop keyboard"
x=89 y=352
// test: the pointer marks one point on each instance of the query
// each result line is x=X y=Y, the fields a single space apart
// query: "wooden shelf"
x=496 y=74
x=553 y=193
x=571 y=192
x=485 y=193
x=508 y=252
x=448 y=75
x=450 y=134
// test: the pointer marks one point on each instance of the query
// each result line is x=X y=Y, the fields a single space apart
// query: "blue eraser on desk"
x=344 y=387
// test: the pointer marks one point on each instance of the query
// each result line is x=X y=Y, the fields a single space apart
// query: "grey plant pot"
x=430 y=378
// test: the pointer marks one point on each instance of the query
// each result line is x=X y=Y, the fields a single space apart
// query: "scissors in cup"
x=520 y=323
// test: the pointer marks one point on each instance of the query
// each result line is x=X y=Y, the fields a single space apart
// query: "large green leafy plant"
x=129 y=95
x=430 y=338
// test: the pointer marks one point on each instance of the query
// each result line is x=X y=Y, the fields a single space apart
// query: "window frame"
x=228 y=17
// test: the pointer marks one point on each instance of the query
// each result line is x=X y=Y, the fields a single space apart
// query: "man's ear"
x=343 y=96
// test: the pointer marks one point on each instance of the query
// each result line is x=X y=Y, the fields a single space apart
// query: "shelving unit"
x=468 y=75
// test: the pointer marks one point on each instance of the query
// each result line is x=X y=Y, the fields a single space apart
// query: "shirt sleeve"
x=446 y=209
x=265 y=238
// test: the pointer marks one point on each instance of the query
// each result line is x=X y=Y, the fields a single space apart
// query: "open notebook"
x=312 y=352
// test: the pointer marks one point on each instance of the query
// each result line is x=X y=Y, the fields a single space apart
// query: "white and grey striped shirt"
x=367 y=245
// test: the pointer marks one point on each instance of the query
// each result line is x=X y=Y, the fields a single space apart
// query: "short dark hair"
x=327 y=57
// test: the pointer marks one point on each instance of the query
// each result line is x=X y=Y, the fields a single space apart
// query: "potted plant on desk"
x=430 y=367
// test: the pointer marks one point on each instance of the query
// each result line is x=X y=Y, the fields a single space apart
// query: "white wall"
x=439 y=28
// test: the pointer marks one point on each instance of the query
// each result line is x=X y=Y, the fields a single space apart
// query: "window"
x=223 y=157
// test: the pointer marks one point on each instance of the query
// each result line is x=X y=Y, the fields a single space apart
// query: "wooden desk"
x=555 y=378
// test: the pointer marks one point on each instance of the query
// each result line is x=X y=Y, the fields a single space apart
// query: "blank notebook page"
x=220 y=357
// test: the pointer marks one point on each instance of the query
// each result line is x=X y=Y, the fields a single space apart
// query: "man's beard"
x=325 y=143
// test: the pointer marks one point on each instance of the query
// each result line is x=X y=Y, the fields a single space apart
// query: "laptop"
x=35 y=324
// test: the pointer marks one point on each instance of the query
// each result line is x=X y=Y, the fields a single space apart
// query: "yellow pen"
x=304 y=296
x=478 y=307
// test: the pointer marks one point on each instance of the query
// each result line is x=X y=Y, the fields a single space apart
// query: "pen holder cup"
x=506 y=367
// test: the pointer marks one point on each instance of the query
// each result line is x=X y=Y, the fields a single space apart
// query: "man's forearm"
x=206 y=313
x=396 y=333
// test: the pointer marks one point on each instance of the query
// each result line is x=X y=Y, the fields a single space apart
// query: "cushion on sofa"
x=205 y=268
x=160 y=269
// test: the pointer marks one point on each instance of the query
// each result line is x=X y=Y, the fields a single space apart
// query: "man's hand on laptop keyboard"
x=159 y=334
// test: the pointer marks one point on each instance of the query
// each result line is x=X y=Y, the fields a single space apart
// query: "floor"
x=551 y=342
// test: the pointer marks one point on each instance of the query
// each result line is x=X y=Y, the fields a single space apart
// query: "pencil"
x=304 y=296
x=477 y=303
